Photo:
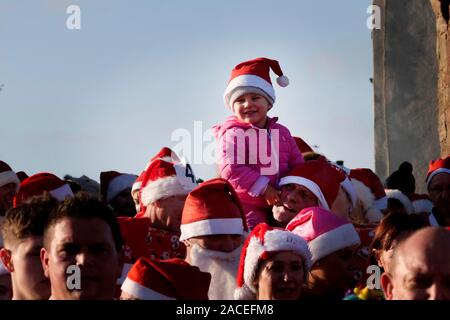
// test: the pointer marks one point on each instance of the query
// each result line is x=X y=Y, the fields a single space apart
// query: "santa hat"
x=165 y=154
x=39 y=183
x=112 y=183
x=370 y=191
x=260 y=243
x=303 y=147
x=7 y=175
x=212 y=208
x=86 y=184
x=400 y=196
x=319 y=177
x=253 y=76
x=172 y=279
x=436 y=167
x=137 y=184
x=22 y=175
x=421 y=203
x=163 y=179
x=325 y=232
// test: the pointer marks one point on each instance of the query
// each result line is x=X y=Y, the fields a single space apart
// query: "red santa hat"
x=112 y=183
x=370 y=191
x=319 y=177
x=325 y=232
x=302 y=145
x=400 y=196
x=7 y=175
x=163 y=179
x=212 y=208
x=253 y=76
x=39 y=183
x=259 y=245
x=172 y=279
x=437 y=166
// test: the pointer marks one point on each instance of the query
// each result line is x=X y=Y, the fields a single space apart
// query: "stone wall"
x=410 y=91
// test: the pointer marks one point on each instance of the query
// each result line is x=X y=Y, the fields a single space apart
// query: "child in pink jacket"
x=254 y=150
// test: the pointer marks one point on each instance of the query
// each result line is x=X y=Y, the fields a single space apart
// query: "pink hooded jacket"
x=246 y=160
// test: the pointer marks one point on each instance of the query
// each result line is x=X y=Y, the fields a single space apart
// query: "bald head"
x=420 y=267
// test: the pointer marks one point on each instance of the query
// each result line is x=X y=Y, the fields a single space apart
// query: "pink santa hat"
x=437 y=166
x=172 y=279
x=260 y=243
x=253 y=76
x=39 y=183
x=7 y=175
x=319 y=177
x=112 y=183
x=370 y=191
x=212 y=208
x=325 y=232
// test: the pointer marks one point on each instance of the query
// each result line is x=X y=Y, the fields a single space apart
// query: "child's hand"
x=271 y=195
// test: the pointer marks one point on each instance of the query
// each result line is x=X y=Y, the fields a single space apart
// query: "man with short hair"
x=82 y=232
x=22 y=232
x=420 y=268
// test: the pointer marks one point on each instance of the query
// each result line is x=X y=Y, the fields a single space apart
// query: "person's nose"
x=84 y=258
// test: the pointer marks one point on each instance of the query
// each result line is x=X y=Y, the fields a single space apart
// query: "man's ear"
x=5 y=256
x=44 y=261
x=387 y=285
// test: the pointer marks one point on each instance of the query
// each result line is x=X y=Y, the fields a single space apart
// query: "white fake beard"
x=223 y=268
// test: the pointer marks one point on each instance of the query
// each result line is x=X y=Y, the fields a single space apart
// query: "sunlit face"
x=166 y=213
x=281 y=277
x=294 y=198
x=252 y=108
x=88 y=244
x=29 y=282
x=7 y=193
x=220 y=242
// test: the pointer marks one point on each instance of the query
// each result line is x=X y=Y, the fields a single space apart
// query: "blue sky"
x=109 y=96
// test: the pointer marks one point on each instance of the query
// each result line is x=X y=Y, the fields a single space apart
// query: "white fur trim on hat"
x=350 y=189
x=435 y=172
x=380 y=204
x=311 y=185
x=327 y=243
x=9 y=177
x=212 y=227
x=62 y=192
x=247 y=80
x=400 y=196
x=164 y=188
x=422 y=205
x=364 y=193
x=118 y=184
x=139 y=291
x=274 y=240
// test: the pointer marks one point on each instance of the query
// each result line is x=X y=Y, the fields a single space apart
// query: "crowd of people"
x=280 y=222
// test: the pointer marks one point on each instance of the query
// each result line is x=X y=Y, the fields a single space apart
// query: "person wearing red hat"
x=9 y=185
x=23 y=236
x=115 y=188
x=273 y=265
x=212 y=227
x=172 y=279
x=332 y=242
x=438 y=185
x=40 y=183
x=255 y=150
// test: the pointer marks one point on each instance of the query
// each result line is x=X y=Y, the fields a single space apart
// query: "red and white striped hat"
x=172 y=279
x=212 y=208
x=39 y=183
x=262 y=241
x=7 y=175
x=253 y=76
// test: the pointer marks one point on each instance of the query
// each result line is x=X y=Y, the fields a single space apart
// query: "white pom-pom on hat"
x=283 y=81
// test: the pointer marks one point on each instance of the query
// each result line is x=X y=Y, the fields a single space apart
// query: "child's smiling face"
x=252 y=108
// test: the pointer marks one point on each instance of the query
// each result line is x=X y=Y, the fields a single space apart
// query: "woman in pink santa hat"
x=332 y=242
x=255 y=150
x=274 y=264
